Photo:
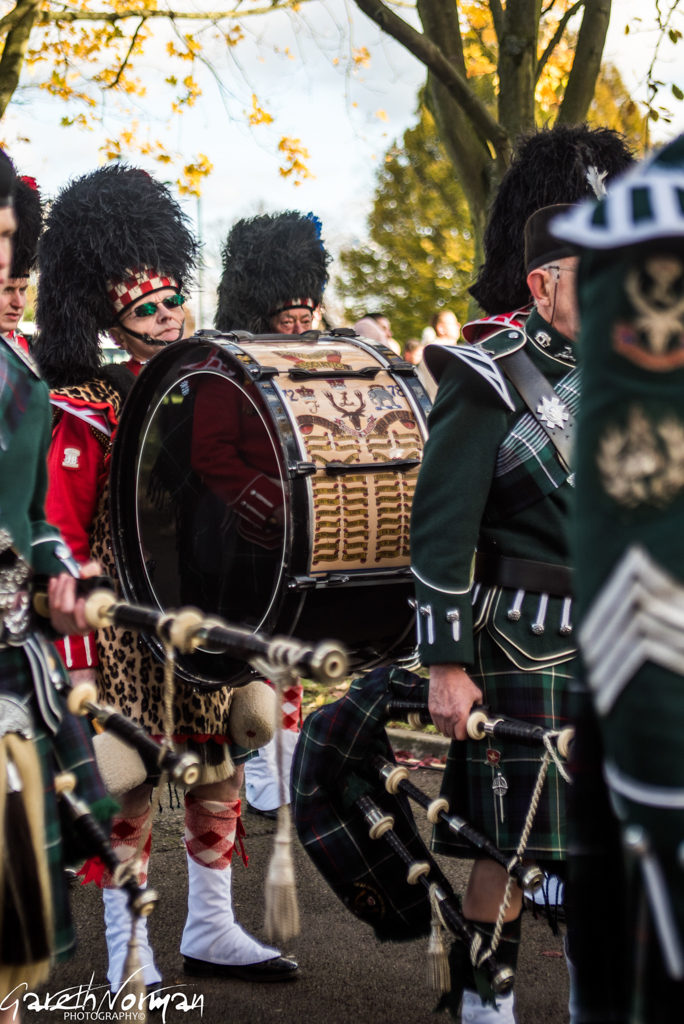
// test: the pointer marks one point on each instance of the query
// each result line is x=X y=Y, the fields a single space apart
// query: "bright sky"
x=345 y=119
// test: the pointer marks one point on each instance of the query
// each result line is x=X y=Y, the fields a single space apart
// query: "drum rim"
x=147 y=392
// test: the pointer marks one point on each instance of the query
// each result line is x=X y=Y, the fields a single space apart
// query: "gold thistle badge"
x=642 y=463
x=654 y=338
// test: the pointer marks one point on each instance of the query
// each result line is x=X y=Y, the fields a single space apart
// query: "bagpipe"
x=351 y=805
x=185 y=631
x=188 y=629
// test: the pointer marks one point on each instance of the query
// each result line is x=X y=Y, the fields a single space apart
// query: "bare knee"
x=486 y=890
x=225 y=791
x=135 y=802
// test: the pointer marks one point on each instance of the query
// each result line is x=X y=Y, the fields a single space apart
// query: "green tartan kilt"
x=70 y=749
x=537 y=697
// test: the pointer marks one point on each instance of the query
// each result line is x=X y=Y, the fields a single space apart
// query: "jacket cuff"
x=259 y=501
x=444 y=627
x=77 y=651
x=51 y=556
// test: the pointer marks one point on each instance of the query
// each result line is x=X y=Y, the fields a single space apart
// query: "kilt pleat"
x=537 y=697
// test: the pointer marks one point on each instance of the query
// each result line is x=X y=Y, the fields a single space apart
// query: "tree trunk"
x=586 y=65
x=465 y=146
x=518 y=39
x=14 y=50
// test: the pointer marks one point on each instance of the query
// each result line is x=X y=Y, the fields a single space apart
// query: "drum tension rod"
x=392 y=466
x=365 y=373
x=301 y=469
x=263 y=372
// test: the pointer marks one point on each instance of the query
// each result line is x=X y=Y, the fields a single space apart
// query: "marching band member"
x=38 y=737
x=115 y=256
x=562 y=164
x=29 y=215
x=490 y=559
x=274 y=275
x=628 y=817
x=559 y=165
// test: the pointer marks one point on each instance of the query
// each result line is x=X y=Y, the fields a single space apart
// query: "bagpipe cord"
x=478 y=956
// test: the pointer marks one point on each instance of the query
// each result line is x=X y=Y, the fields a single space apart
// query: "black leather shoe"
x=271 y=815
x=280 y=968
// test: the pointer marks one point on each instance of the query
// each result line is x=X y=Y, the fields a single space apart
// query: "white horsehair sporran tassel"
x=438 y=973
x=281 y=921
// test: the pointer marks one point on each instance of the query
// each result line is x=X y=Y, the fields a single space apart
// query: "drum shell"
x=331 y=573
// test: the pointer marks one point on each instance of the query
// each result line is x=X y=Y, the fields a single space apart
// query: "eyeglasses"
x=554 y=266
x=306 y=320
x=150 y=308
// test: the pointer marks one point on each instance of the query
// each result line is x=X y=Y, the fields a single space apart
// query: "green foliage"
x=419 y=256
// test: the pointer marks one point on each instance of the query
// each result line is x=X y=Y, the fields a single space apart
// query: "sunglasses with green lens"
x=150 y=308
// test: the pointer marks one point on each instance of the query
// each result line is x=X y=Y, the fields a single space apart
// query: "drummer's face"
x=292 y=321
x=160 y=327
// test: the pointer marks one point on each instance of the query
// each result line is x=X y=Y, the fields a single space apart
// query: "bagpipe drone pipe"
x=184 y=631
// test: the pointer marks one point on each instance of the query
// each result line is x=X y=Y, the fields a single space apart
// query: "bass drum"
x=269 y=480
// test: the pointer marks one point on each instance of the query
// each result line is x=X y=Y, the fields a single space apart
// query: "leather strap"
x=533 y=388
x=523 y=574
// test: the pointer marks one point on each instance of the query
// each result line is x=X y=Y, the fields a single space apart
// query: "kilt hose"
x=538 y=697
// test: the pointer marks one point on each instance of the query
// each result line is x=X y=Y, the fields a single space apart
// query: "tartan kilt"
x=70 y=749
x=537 y=697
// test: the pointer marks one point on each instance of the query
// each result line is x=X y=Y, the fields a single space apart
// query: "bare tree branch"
x=14 y=51
x=124 y=62
x=557 y=36
x=432 y=57
x=64 y=15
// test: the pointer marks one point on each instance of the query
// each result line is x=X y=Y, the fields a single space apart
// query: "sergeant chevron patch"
x=637 y=617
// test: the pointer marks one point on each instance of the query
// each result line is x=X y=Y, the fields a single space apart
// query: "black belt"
x=523 y=574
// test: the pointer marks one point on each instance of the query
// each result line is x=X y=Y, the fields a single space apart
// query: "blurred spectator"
x=413 y=351
x=377 y=327
x=446 y=327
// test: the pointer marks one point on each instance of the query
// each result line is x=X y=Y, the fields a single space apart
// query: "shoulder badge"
x=71 y=458
x=477 y=359
x=503 y=343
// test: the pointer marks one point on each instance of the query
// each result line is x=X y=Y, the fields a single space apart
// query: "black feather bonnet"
x=29 y=214
x=101 y=230
x=270 y=263
x=564 y=164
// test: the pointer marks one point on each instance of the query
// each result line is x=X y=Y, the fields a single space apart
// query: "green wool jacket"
x=459 y=507
x=25 y=426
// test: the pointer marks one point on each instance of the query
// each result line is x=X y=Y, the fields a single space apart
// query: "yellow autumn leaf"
x=295 y=156
x=257 y=115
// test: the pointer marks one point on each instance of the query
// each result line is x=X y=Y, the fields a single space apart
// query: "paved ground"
x=346 y=975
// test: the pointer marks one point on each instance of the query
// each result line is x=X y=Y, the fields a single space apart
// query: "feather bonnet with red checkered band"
x=110 y=237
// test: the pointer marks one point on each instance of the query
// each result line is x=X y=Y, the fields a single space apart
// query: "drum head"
x=193 y=524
